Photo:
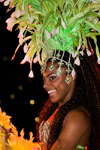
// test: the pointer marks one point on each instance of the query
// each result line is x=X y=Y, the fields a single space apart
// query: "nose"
x=46 y=84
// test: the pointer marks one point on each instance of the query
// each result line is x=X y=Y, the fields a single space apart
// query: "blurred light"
x=30 y=80
x=5 y=58
x=10 y=72
x=32 y=102
x=19 y=79
x=12 y=96
x=37 y=119
x=20 y=87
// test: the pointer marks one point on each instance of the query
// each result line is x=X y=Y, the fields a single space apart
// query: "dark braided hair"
x=86 y=93
x=92 y=83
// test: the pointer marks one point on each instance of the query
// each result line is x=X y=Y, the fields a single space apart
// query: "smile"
x=51 y=93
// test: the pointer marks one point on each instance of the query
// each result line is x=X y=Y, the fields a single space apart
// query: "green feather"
x=90 y=34
x=93 y=26
x=14 y=2
x=35 y=6
x=46 y=23
x=83 y=36
x=19 y=6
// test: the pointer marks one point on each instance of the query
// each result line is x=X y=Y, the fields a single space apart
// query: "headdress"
x=50 y=25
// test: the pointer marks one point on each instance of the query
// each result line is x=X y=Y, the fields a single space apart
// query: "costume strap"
x=80 y=147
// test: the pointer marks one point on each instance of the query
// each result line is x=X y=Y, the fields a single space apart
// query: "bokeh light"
x=20 y=87
x=5 y=58
x=12 y=96
x=37 y=119
x=32 y=102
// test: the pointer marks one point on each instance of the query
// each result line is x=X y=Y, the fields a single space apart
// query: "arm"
x=75 y=127
x=5 y=138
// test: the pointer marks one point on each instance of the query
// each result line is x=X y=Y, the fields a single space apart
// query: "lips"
x=51 y=93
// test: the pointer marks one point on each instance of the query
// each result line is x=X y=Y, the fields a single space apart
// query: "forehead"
x=47 y=70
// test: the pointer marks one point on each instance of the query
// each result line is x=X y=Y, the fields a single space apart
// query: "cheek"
x=56 y=82
x=60 y=81
x=60 y=84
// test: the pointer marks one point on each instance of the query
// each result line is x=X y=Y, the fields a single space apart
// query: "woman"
x=70 y=118
x=75 y=105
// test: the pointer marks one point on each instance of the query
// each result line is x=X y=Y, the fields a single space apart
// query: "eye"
x=53 y=77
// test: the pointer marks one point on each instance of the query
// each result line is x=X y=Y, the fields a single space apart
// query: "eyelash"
x=52 y=77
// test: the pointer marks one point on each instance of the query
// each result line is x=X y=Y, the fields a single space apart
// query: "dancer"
x=60 y=36
x=68 y=120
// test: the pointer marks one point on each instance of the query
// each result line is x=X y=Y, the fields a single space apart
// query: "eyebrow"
x=48 y=75
x=51 y=72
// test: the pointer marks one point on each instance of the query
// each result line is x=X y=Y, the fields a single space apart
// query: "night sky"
x=16 y=88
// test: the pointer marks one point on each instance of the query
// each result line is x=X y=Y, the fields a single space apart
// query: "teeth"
x=51 y=91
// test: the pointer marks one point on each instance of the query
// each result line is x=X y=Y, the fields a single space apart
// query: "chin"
x=54 y=100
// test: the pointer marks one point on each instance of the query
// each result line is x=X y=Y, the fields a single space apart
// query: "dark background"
x=13 y=75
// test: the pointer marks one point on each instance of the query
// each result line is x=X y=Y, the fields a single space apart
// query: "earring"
x=67 y=80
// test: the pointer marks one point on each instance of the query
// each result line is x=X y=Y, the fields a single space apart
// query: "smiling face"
x=59 y=91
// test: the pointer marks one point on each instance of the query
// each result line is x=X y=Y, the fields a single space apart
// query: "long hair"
x=86 y=93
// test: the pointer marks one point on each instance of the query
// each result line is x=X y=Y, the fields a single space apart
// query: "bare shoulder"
x=78 y=117
x=76 y=128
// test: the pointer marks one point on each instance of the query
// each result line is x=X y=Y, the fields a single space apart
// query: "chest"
x=44 y=128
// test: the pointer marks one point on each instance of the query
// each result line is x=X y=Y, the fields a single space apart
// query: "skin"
x=76 y=125
x=54 y=82
x=4 y=138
